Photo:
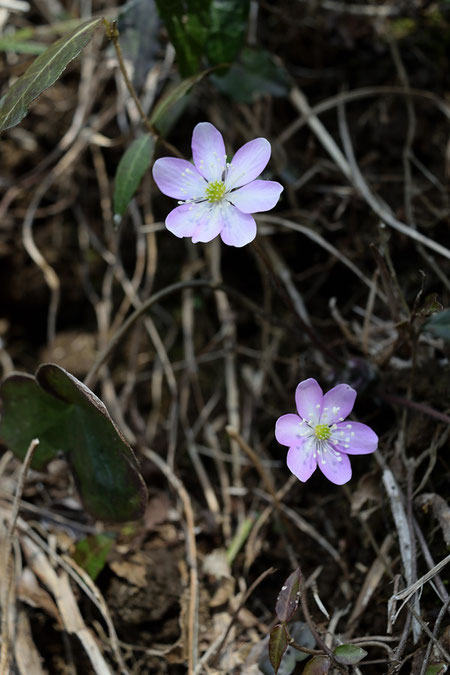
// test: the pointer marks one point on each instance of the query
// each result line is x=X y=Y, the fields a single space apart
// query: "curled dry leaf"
x=440 y=509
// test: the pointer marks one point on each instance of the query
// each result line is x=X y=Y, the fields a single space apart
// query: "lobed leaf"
x=253 y=76
x=186 y=22
x=439 y=325
x=278 y=644
x=132 y=166
x=68 y=418
x=289 y=597
x=227 y=26
x=44 y=72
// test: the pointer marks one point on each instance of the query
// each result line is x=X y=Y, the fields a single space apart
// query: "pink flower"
x=216 y=196
x=319 y=435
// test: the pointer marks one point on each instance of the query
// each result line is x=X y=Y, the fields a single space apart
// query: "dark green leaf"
x=187 y=23
x=67 y=417
x=43 y=72
x=349 y=655
x=319 y=665
x=289 y=597
x=27 y=413
x=278 y=644
x=439 y=325
x=255 y=75
x=132 y=166
x=287 y=665
x=91 y=553
x=227 y=29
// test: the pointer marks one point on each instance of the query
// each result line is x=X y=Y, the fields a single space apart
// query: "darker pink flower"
x=320 y=435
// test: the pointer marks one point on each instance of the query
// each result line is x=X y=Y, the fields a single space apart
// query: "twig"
x=8 y=570
x=304 y=326
x=420 y=407
x=321 y=241
x=403 y=530
x=436 y=627
x=163 y=293
x=217 y=648
x=192 y=556
x=354 y=176
x=113 y=34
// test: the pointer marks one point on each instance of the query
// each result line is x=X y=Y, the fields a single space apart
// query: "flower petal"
x=354 y=438
x=208 y=151
x=184 y=220
x=288 y=430
x=335 y=466
x=248 y=163
x=308 y=399
x=210 y=224
x=301 y=461
x=239 y=228
x=337 y=404
x=178 y=178
x=259 y=195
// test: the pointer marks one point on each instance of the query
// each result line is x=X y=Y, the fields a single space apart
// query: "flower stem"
x=112 y=33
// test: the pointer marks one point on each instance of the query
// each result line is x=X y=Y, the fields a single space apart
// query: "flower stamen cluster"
x=215 y=191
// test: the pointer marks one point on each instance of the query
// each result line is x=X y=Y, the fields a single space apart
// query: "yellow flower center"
x=322 y=432
x=215 y=191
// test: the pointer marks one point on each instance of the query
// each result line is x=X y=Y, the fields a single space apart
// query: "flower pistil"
x=215 y=191
x=322 y=432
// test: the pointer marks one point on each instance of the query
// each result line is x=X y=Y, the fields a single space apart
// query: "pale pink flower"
x=216 y=196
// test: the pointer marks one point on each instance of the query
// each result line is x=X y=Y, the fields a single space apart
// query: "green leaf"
x=255 y=75
x=68 y=418
x=289 y=597
x=227 y=29
x=319 y=665
x=43 y=72
x=349 y=655
x=278 y=644
x=172 y=97
x=91 y=553
x=431 y=305
x=437 y=669
x=439 y=325
x=187 y=23
x=12 y=43
x=132 y=166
